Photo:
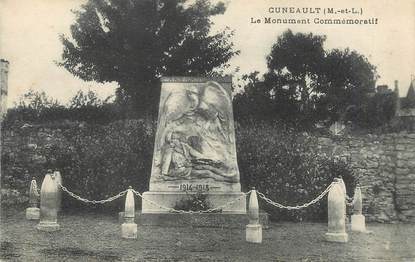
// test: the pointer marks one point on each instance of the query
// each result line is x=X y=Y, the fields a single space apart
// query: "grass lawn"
x=96 y=237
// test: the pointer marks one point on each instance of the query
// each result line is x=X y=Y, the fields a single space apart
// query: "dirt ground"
x=96 y=237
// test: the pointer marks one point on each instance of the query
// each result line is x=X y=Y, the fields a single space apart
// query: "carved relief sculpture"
x=195 y=136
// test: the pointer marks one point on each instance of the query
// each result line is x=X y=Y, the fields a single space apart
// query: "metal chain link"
x=278 y=205
x=122 y=193
x=210 y=210
x=151 y=202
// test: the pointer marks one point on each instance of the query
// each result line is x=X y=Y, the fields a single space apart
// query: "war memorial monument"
x=195 y=146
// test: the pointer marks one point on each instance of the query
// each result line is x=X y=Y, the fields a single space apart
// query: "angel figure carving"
x=195 y=141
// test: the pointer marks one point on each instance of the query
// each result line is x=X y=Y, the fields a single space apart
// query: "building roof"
x=407 y=104
x=411 y=91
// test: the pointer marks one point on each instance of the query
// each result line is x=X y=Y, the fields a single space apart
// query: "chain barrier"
x=349 y=201
x=210 y=210
x=122 y=193
x=278 y=205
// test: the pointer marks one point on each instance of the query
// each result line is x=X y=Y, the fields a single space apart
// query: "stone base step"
x=216 y=220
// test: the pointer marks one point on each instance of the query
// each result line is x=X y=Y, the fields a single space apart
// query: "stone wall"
x=385 y=166
x=25 y=153
x=87 y=155
x=29 y=147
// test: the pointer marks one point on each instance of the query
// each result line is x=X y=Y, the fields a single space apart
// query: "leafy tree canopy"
x=306 y=83
x=134 y=42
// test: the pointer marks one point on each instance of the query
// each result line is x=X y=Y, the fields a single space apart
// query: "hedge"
x=100 y=160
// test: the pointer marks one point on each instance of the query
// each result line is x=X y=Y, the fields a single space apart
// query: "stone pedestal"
x=254 y=233
x=170 y=199
x=48 y=226
x=129 y=227
x=358 y=219
x=358 y=223
x=129 y=230
x=336 y=214
x=32 y=213
x=48 y=205
x=337 y=237
x=213 y=220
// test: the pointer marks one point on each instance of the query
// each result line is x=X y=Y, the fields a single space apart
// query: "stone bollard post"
x=33 y=212
x=336 y=214
x=254 y=228
x=129 y=227
x=358 y=219
x=48 y=205
x=343 y=185
x=58 y=180
x=345 y=198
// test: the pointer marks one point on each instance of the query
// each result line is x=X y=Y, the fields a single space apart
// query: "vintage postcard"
x=207 y=130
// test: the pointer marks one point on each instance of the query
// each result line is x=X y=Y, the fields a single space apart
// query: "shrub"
x=104 y=160
x=96 y=161
x=288 y=168
x=12 y=197
x=377 y=112
x=194 y=202
x=37 y=108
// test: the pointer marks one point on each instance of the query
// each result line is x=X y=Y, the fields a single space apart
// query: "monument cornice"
x=194 y=79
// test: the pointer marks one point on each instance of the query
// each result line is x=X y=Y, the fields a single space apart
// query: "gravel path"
x=96 y=237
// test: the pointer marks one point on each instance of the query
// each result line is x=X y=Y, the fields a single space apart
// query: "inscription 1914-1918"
x=194 y=187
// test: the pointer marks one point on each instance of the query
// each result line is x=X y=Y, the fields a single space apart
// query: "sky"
x=30 y=29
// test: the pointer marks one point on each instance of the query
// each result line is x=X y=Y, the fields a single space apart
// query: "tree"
x=254 y=100
x=377 y=111
x=135 y=42
x=294 y=72
x=88 y=99
x=36 y=101
x=307 y=84
x=349 y=79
